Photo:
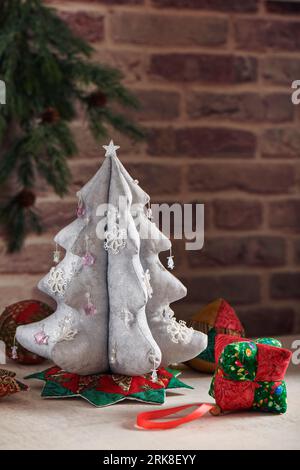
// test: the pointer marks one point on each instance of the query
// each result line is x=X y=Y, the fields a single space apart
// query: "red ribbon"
x=147 y=419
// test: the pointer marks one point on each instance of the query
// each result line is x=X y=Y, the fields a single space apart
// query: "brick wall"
x=214 y=79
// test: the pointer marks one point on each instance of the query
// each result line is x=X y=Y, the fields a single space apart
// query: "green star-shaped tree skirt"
x=107 y=389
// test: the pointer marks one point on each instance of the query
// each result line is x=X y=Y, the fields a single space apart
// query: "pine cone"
x=26 y=198
x=97 y=99
x=50 y=116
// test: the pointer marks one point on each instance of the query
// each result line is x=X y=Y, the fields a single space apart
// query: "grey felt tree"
x=112 y=292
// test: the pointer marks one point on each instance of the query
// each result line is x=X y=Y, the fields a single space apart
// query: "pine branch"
x=46 y=66
x=18 y=222
x=122 y=124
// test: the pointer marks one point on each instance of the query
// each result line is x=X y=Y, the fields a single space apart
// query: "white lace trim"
x=115 y=237
x=66 y=330
x=57 y=281
x=155 y=362
x=147 y=279
x=177 y=330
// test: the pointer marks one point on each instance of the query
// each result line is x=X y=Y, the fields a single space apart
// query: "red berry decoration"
x=21 y=313
x=25 y=198
x=50 y=116
x=97 y=99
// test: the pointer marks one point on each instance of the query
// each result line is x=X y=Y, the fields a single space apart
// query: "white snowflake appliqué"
x=66 y=330
x=57 y=281
x=146 y=279
x=115 y=237
x=127 y=317
x=177 y=330
x=115 y=240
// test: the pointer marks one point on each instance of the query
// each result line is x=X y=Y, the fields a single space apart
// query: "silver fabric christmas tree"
x=112 y=292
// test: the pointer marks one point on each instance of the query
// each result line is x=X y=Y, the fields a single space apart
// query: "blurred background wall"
x=214 y=79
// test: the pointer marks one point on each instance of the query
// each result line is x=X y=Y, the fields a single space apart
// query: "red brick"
x=56 y=214
x=236 y=289
x=185 y=212
x=297 y=251
x=34 y=258
x=237 y=214
x=234 y=6
x=156 y=179
x=285 y=285
x=202 y=142
x=241 y=107
x=89 y=26
x=283 y=8
x=280 y=70
x=263 y=35
x=156 y=105
x=87 y=147
x=103 y=2
x=90 y=149
x=249 y=177
x=160 y=30
x=119 y=2
x=285 y=214
x=281 y=143
x=241 y=251
x=82 y=173
x=265 y=321
x=203 y=68
x=131 y=63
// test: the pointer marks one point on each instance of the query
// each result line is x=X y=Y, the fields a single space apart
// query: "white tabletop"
x=28 y=421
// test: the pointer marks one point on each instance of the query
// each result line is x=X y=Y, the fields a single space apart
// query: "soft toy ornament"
x=9 y=385
x=21 y=313
x=106 y=389
x=250 y=375
x=218 y=317
x=112 y=291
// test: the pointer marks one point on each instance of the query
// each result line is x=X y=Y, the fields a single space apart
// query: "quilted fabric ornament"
x=250 y=375
x=21 y=313
x=106 y=389
x=218 y=317
x=9 y=385
x=112 y=292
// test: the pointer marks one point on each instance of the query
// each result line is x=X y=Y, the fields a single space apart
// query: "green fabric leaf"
x=176 y=383
x=98 y=398
x=53 y=389
x=37 y=375
x=151 y=396
x=209 y=353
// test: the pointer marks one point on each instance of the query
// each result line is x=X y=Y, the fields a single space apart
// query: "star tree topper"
x=111 y=149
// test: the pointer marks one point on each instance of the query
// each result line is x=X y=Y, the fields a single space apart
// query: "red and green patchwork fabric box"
x=250 y=375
